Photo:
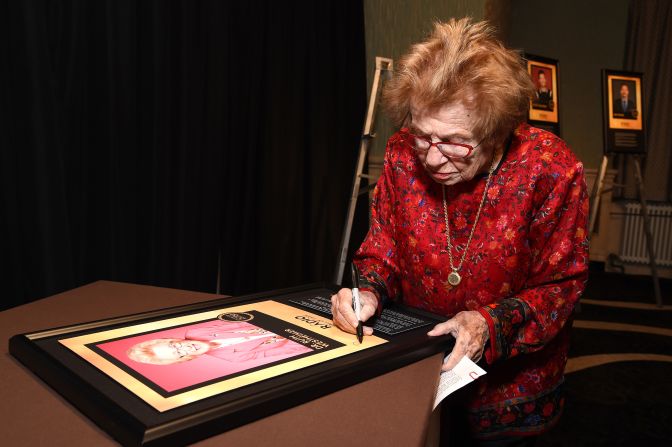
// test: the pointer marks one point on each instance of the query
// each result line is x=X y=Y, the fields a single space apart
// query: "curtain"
x=649 y=50
x=169 y=142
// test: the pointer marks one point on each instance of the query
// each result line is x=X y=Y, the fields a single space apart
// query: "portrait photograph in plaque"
x=544 y=104
x=176 y=359
x=625 y=101
x=623 y=106
x=185 y=373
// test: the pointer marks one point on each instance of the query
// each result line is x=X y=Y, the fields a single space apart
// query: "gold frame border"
x=545 y=115
x=619 y=123
x=270 y=307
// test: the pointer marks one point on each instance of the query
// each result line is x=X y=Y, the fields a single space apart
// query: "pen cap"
x=355 y=275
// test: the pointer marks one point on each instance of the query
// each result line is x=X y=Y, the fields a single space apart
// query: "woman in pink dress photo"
x=230 y=341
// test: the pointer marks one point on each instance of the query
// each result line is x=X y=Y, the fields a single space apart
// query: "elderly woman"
x=479 y=217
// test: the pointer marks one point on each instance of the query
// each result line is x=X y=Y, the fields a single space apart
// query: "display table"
x=392 y=409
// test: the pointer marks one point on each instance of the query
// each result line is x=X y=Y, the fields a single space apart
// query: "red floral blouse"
x=524 y=271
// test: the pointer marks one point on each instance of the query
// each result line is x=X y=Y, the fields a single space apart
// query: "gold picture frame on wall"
x=545 y=103
x=623 y=112
x=624 y=101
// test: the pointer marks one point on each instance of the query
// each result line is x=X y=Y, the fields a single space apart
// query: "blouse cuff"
x=379 y=291
x=504 y=319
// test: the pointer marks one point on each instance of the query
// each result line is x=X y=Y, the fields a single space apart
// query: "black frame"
x=552 y=126
x=132 y=422
x=621 y=139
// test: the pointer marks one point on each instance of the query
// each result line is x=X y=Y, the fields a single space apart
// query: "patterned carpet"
x=619 y=376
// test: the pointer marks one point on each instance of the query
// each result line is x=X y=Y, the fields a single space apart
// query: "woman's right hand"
x=344 y=316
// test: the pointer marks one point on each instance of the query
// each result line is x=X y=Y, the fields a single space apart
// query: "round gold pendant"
x=454 y=278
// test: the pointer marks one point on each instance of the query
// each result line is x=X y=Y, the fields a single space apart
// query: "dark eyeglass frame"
x=431 y=143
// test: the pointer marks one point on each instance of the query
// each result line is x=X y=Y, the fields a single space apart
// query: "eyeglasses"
x=449 y=149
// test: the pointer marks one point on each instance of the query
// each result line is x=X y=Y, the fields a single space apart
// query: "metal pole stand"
x=383 y=67
x=647 y=230
x=596 y=194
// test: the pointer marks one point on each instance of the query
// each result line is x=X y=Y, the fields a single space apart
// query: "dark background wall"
x=172 y=142
x=162 y=142
x=585 y=37
x=391 y=27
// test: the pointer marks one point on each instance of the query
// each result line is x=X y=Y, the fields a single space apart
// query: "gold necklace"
x=454 y=277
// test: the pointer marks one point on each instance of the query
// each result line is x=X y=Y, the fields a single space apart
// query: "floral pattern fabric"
x=524 y=270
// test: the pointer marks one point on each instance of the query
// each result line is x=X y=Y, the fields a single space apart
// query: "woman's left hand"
x=471 y=333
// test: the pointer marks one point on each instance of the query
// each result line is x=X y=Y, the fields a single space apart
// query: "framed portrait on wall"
x=623 y=116
x=545 y=104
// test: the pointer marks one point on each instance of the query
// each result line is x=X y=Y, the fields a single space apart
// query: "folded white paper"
x=464 y=372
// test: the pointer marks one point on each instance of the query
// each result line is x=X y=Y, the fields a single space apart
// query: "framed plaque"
x=544 y=104
x=623 y=117
x=182 y=374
